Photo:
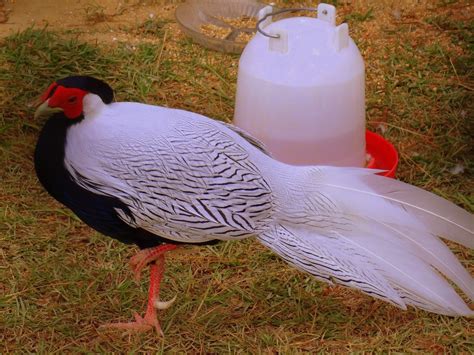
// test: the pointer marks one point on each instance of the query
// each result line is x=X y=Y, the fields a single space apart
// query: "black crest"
x=90 y=84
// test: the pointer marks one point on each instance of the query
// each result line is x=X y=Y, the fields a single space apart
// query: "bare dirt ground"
x=104 y=20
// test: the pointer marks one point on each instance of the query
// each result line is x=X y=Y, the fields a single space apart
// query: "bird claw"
x=162 y=305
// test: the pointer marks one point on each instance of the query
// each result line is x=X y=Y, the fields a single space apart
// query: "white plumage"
x=192 y=179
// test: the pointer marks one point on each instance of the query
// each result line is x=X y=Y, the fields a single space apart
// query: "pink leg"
x=156 y=256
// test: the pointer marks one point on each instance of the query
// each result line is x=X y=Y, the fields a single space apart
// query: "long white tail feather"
x=369 y=263
x=406 y=270
x=427 y=247
x=375 y=234
x=418 y=302
x=434 y=252
x=361 y=190
x=331 y=260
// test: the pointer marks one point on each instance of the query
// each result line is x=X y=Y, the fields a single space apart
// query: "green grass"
x=59 y=280
x=355 y=16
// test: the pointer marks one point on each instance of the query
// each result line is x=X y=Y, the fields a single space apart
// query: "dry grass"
x=59 y=280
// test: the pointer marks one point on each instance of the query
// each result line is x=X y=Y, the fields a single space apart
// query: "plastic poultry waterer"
x=301 y=90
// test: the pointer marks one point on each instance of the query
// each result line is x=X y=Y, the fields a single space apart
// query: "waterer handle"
x=277 y=13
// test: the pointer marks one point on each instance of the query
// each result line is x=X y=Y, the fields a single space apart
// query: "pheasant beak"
x=44 y=111
x=36 y=102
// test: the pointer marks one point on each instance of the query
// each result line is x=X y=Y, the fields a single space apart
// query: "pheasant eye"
x=72 y=99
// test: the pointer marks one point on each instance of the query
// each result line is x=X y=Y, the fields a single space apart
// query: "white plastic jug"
x=303 y=93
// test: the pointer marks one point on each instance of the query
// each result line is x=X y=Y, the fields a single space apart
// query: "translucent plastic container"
x=303 y=94
x=193 y=14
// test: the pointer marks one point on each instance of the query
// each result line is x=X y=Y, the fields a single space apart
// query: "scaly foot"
x=141 y=324
x=156 y=257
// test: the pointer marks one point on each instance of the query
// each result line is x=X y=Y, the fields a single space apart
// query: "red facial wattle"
x=69 y=99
